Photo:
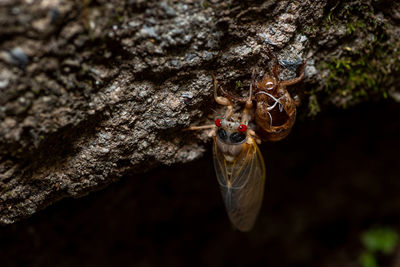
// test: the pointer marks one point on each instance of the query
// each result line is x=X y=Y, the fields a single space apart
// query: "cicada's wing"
x=242 y=184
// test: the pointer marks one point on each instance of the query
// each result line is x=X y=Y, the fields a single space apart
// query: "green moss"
x=377 y=240
x=367 y=259
x=205 y=4
x=89 y=82
x=120 y=18
x=380 y=239
x=310 y=30
x=5 y=189
x=313 y=105
x=368 y=58
x=360 y=75
x=354 y=26
x=238 y=84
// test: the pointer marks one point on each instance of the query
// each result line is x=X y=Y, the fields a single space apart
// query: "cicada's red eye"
x=242 y=128
x=218 y=122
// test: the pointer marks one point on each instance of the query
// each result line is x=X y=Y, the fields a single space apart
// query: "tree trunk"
x=93 y=90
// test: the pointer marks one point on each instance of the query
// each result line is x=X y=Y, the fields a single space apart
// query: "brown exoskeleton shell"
x=275 y=112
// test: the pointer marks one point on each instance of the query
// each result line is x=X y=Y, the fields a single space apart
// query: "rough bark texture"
x=93 y=90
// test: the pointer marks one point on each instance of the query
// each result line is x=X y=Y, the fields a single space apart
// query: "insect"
x=275 y=112
x=239 y=165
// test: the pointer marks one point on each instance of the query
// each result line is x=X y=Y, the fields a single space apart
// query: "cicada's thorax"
x=230 y=140
x=275 y=112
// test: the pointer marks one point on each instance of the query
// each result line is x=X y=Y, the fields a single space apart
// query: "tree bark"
x=93 y=90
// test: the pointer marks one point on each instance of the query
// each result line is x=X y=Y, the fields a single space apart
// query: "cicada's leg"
x=222 y=100
x=203 y=127
x=249 y=102
x=255 y=136
x=275 y=70
x=230 y=96
x=253 y=79
x=298 y=79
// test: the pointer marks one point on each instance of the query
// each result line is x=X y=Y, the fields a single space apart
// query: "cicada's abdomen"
x=241 y=178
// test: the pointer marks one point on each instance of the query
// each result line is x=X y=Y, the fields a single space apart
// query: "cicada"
x=238 y=162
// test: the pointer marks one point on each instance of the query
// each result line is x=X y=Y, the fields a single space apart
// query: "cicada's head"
x=230 y=138
x=231 y=132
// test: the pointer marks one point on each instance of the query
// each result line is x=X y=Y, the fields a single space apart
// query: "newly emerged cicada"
x=239 y=165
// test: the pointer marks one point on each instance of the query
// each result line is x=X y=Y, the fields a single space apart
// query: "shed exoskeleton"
x=275 y=111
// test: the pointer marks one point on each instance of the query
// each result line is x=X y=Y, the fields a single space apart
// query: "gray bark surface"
x=93 y=90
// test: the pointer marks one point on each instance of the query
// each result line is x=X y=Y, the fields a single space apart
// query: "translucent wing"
x=242 y=184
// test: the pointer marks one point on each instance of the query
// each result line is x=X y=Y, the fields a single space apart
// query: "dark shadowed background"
x=333 y=178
